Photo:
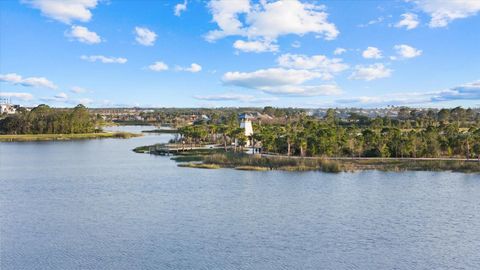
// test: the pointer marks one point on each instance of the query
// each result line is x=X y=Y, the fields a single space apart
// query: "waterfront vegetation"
x=242 y=161
x=446 y=133
x=256 y=162
x=65 y=137
x=44 y=123
x=45 y=120
x=161 y=130
x=431 y=141
x=293 y=140
x=199 y=165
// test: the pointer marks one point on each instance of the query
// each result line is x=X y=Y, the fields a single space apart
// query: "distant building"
x=8 y=108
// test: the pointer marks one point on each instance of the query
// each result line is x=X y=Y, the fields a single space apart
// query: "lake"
x=95 y=204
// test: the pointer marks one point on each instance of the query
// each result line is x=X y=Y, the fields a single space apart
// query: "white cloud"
x=65 y=11
x=319 y=63
x=405 y=51
x=11 y=78
x=145 y=36
x=158 y=66
x=468 y=91
x=372 y=53
x=21 y=96
x=267 y=21
x=409 y=21
x=443 y=12
x=65 y=99
x=84 y=101
x=255 y=46
x=268 y=77
x=14 y=78
x=394 y=99
x=78 y=90
x=236 y=97
x=273 y=19
x=225 y=97
x=372 y=22
x=281 y=81
x=339 y=51
x=83 y=35
x=296 y=44
x=194 y=68
x=225 y=15
x=179 y=8
x=370 y=72
x=61 y=96
x=305 y=90
x=38 y=82
x=104 y=59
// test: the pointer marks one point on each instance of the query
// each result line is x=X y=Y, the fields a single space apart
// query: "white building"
x=7 y=108
x=246 y=125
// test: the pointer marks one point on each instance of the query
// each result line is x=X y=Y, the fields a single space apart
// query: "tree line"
x=430 y=135
x=45 y=120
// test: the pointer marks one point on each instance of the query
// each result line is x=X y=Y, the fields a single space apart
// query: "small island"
x=44 y=123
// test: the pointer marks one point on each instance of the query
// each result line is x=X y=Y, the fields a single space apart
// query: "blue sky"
x=419 y=53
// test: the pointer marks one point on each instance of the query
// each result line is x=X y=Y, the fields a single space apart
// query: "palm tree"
x=290 y=134
x=236 y=134
x=224 y=130
x=301 y=141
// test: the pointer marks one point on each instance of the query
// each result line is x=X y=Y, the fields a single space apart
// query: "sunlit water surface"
x=95 y=204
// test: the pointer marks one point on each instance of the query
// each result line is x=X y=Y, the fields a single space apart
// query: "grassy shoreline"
x=166 y=131
x=65 y=137
x=216 y=158
x=258 y=163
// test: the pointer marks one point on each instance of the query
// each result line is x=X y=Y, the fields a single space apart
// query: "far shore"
x=65 y=137
x=161 y=130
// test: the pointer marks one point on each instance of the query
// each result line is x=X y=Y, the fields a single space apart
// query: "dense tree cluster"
x=45 y=120
x=446 y=133
x=316 y=138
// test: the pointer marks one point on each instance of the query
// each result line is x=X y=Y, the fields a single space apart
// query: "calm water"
x=97 y=205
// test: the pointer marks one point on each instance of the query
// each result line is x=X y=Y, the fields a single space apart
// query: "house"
x=8 y=108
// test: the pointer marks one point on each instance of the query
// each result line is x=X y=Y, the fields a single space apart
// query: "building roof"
x=245 y=116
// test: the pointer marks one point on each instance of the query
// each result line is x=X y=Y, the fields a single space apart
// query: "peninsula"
x=43 y=123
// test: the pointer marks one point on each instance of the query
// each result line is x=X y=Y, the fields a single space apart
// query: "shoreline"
x=341 y=165
x=161 y=131
x=216 y=158
x=65 y=137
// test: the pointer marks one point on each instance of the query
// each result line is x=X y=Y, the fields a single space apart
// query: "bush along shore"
x=43 y=123
x=216 y=158
x=65 y=137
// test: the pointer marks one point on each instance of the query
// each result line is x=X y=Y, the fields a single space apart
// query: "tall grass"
x=472 y=166
x=244 y=161
x=199 y=165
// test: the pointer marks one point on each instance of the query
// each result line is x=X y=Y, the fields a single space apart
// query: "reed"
x=199 y=165
x=236 y=160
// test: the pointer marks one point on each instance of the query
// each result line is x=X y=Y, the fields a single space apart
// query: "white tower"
x=246 y=125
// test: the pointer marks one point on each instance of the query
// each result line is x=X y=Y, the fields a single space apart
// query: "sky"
x=239 y=53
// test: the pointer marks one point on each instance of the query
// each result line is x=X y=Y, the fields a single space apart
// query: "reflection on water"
x=97 y=205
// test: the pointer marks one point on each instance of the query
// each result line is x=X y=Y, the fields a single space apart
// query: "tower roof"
x=245 y=116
